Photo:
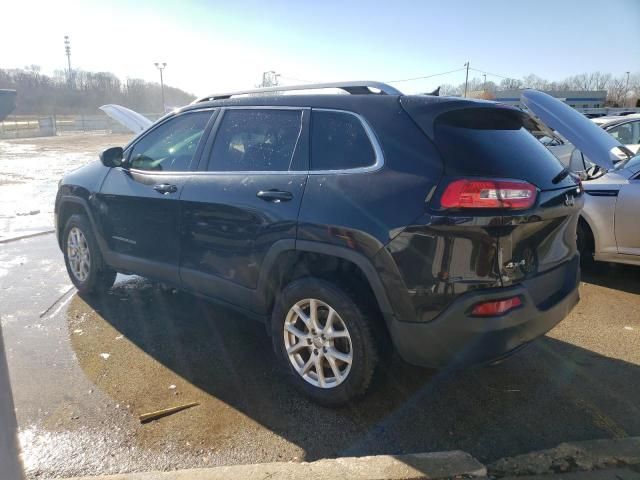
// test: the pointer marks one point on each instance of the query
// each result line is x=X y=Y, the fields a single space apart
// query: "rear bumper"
x=456 y=338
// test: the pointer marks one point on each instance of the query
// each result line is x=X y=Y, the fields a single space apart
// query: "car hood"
x=130 y=119
x=575 y=127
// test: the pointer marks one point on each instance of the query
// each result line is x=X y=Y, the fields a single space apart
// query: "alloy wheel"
x=318 y=343
x=78 y=254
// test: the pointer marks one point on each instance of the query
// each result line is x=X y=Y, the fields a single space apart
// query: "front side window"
x=256 y=140
x=171 y=146
x=339 y=142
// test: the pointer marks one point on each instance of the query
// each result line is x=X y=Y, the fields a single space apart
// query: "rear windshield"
x=495 y=143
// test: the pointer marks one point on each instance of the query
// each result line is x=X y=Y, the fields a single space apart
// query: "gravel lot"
x=83 y=369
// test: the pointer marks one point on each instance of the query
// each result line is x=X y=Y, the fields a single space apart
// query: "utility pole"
x=466 y=79
x=161 y=66
x=67 y=49
x=484 y=84
x=626 y=89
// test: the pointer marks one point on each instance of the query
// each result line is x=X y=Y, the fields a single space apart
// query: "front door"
x=139 y=203
x=244 y=201
x=626 y=227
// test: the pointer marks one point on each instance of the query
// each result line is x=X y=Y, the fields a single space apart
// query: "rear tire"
x=83 y=259
x=336 y=341
x=586 y=245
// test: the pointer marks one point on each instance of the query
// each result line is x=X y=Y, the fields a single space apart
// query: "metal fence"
x=26 y=126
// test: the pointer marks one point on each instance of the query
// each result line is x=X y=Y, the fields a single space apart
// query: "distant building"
x=574 y=98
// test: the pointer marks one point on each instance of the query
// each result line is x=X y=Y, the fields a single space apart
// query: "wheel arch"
x=287 y=261
x=71 y=205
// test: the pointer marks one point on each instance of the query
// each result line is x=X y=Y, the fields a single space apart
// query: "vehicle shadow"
x=613 y=275
x=550 y=392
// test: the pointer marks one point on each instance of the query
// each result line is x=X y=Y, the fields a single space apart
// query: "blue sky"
x=211 y=45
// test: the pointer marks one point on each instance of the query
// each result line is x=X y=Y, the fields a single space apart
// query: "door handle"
x=165 y=188
x=275 y=196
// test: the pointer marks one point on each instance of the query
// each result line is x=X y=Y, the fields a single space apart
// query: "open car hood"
x=594 y=142
x=130 y=119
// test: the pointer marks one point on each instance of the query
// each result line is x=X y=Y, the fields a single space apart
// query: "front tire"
x=82 y=258
x=324 y=341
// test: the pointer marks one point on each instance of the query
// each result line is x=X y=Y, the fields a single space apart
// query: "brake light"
x=489 y=193
x=496 y=307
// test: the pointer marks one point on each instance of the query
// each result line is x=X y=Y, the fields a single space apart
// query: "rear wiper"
x=561 y=176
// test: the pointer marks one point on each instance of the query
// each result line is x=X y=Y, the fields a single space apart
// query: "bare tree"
x=617 y=92
x=84 y=92
x=448 y=90
x=534 y=81
x=510 y=84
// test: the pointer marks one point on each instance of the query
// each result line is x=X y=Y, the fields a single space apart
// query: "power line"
x=489 y=73
x=426 y=76
x=410 y=79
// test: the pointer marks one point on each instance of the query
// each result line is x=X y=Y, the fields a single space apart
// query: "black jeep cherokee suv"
x=345 y=222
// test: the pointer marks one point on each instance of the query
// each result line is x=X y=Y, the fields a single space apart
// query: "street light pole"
x=626 y=89
x=161 y=67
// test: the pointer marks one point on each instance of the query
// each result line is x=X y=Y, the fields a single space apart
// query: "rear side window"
x=256 y=140
x=489 y=142
x=339 y=141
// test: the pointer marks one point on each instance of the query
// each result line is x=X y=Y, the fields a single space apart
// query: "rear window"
x=495 y=143
x=339 y=142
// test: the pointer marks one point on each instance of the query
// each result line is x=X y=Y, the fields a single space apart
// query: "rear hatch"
x=495 y=169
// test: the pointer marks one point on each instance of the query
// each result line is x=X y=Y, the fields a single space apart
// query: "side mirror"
x=112 y=157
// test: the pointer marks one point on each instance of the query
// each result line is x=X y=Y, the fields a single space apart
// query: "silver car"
x=609 y=228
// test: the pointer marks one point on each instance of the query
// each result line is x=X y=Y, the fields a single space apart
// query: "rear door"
x=244 y=200
x=139 y=204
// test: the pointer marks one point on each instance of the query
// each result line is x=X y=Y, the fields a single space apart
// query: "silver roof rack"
x=354 y=88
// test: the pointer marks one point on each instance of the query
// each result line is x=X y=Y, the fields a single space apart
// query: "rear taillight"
x=489 y=193
x=495 y=307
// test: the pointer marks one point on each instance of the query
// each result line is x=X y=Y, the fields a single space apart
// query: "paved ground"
x=83 y=370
